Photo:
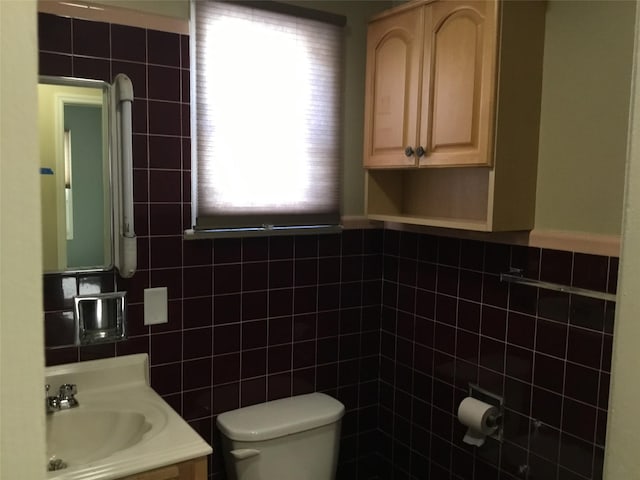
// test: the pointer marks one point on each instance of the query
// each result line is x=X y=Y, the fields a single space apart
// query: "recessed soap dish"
x=100 y=318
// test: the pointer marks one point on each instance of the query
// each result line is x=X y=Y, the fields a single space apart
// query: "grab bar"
x=516 y=276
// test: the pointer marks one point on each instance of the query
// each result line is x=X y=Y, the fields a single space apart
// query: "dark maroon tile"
x=496 y=258
x=601 y=427
x=254 y=334
x=255 y=276
x=521 y=329
x=553 y=305
x=581 y=383
x=186 y=86
x=55 y=64
x=607 y=352
x=226 y=309
x=469 y=316
x=551 y=338
x=492 y=354
x=166 y=252
x=226 y=368
x=576 y=455
x=91 y=38
x=449 y=251
x=141 y=223
x=328 y=297
x=544 y=441
x=254 y=362
x=134 y=286
x=166 y=348
x=470 y=285
x=603 y=393
x=546 y=406
x=226 y=278
x=444 y=338
x=494 y=292
x=139 y=117
x=170 y=278
x=584 y=347
x=164 y=118
x=327 y=350
x=164 y=186
x=352 y=242
x=519 y=363
x=227 y=250
x=590 y=271
x=279 y=386
x=494 y=322
x=226 y=339
x=197 y=403
x=612 y=282
x=281 y=274
x=588 y=312
x=426 y=276
x=255 y=249
x=517 y=395
x=164 y=48
x=54 y=33
x=140 y=185
x=579 y=419
x=304 y=327
x=609 y=317
x=164 y=83
x=305 y=299
x=226 y=397
x=165 y=219
x=165 y=152
x=549 y=373
x=254 y=305
x=59 y=329
x=425 y=304
x=128 y=43
x=184 y=51
x=280 y=330
x=445 y=309
x=279 y=358
x=135 y=320
x=281 y=248
x=186 y=198
x=197 y=342
x=526 y=259
x=542 y=469
x=467 y=346
x=556 y=266
x=304 y=355
x=523 y=299
x=166 y=379
x=196 y=373
x=198 y=281
x=306 y=246
x=253 y=391
x=329 y=245
x=351 y=270
x=447 y=280
x=197 y=253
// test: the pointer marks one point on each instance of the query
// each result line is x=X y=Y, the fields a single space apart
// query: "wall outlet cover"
x=155 y=306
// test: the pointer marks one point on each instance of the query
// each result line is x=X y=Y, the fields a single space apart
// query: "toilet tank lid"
x=280 y=417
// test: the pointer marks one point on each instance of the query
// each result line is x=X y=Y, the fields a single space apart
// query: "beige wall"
x=22 y=450
x=584 y=115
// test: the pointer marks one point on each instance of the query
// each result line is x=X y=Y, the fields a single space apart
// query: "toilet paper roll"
x=479 y=417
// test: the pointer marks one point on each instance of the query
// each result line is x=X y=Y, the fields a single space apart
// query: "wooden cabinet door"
x=458 y=90
x=190 y=470
x=394 y=51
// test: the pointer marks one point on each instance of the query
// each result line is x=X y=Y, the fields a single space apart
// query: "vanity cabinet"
x=190 y=470
x=452 y=109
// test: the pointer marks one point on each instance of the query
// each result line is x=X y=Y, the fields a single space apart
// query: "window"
x=267 y=115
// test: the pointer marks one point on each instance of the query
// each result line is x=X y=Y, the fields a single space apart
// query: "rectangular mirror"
x=75 y=173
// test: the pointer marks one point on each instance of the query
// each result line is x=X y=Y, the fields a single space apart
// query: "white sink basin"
x=121 y=426
x=80 y=436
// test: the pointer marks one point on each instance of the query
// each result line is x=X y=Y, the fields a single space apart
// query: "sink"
x=120 y=427
x=79 y=436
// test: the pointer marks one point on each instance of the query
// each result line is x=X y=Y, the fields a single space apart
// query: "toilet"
x=293 y=438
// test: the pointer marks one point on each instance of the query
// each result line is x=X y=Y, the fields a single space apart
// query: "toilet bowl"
x=293 y=438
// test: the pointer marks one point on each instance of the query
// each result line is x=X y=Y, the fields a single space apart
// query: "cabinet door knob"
x=408 y=151
x=420 y=151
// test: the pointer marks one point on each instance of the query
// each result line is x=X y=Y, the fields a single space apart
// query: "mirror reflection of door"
x=76 y=221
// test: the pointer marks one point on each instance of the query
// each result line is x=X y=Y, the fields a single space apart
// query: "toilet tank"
x=293 y=438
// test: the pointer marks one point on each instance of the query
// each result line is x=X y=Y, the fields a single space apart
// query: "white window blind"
x=267 y=112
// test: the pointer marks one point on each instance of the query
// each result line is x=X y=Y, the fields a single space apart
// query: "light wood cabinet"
x=190 y=470
x=452 y=108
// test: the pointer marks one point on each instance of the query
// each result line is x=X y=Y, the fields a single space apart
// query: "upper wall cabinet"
x=454 y=84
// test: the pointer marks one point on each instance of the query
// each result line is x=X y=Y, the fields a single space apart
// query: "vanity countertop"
x=113 y=394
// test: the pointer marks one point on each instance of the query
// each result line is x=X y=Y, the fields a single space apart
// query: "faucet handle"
x=68 y=390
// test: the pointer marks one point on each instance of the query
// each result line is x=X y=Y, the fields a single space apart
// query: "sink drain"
x=56 y=464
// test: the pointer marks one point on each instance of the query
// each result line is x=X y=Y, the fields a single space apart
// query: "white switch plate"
x=155 y=305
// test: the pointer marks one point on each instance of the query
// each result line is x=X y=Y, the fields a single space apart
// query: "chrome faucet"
x=64 y=400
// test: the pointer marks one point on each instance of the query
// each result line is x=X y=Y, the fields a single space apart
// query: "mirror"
x=75 y=173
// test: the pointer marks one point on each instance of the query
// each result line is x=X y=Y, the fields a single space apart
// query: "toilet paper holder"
x=491 y=398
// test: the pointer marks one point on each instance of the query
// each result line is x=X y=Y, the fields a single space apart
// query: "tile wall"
x=396 y=325
x=448 y=321
x=249 y=320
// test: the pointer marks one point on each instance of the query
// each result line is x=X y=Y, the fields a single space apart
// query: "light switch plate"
x=155 y=305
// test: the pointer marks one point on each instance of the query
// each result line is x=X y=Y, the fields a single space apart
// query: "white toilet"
x=293 y=438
